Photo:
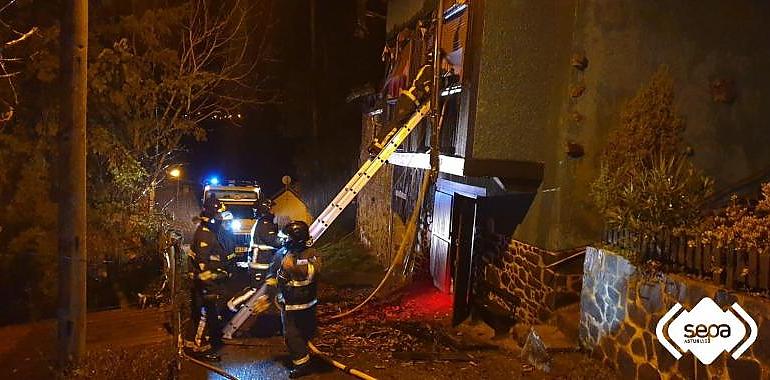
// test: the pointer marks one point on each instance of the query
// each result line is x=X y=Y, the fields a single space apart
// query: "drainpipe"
x=434 y=138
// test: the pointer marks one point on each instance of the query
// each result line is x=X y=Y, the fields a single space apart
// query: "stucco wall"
x=289 y=207
x=620 y=310
x=521 y=77
x=526 y=111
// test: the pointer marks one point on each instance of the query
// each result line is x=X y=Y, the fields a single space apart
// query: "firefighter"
x=264 y=242
x=209 y=274
x=225 y=235
x=296 y=277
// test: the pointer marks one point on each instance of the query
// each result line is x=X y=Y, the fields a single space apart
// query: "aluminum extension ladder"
x=365 y=173
x=391 y=142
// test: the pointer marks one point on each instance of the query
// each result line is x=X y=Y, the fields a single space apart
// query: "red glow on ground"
x=421 y=301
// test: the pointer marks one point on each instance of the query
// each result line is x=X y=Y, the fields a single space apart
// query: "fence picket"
x=721 y=264
x=706 y=264
x=764 y=270
x=753 y=269
x=689 y=257
x=683 y=252
x=623 y=238
x=697 y=261
x=717 y=265
x=729 y=254
x=740 y=268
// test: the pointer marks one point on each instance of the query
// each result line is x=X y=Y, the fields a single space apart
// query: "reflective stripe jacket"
x=264 y=242
x=297 y=279
x=209 y=264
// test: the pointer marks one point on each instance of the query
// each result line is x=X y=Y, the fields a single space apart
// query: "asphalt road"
x=266 y=358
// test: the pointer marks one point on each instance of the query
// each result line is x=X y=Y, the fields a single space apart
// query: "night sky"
x=271 y=139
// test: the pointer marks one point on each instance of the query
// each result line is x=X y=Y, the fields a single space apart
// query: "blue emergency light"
x=214 y=181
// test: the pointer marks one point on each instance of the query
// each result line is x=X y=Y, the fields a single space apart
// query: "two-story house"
x=532 y=89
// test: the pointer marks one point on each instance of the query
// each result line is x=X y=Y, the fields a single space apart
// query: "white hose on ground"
x=215 y=369
x=411 y=231
x=342 y=367
x=406 y=243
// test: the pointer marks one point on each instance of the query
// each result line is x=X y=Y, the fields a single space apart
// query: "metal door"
x=439 y=245
x=463 y=222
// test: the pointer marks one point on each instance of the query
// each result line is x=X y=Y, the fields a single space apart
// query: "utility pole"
x=313 y=75
x=72 y=195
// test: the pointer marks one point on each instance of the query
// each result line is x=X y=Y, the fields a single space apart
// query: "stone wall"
x=520 y=270
x=620 y=310
x=373 y=212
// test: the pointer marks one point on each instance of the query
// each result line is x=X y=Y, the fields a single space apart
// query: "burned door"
x=439 y=245
x=463 y=221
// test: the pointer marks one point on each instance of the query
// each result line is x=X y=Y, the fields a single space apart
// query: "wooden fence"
x=721 y=264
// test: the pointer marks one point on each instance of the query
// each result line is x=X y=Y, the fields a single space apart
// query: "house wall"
x=521 y=77
x=373 y=214
x=527 y=96
x=288 y=207
x=525 y=106
x=620 y=310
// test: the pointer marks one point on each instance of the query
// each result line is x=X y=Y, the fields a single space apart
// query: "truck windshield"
x=241 y=211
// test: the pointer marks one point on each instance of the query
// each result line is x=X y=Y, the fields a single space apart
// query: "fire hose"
x=406 y=244
x=409 y=235
x=406 y=241
x=174 y=252
x=215 y=369
x=342 y=367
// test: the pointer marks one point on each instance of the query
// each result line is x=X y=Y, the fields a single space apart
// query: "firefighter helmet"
x=212 y=209
x=264 y=206
x=297 y=234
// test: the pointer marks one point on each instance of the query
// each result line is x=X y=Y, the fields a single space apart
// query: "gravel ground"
x=407 y=337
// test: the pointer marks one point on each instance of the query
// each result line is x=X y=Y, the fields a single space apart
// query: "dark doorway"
x=463 y=221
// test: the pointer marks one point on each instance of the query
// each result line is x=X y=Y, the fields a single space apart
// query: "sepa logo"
x=707 y=330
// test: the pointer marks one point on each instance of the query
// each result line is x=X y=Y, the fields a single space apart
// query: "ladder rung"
x=364 y=174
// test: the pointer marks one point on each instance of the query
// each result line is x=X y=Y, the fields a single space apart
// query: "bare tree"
x=231 y=42
x=225 y=46
x=12 y=39
x=171 y=82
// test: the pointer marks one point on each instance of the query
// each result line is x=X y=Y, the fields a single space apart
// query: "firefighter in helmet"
x=264 y=242
x=296 y=278
x=208 y=272
x=225 y=235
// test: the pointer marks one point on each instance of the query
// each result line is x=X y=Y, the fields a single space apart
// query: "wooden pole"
x=314 y=82
x=72 y=200
x=176 y=320
x=435 y=139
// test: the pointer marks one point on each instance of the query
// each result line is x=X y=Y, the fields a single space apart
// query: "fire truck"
x=240 y=198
